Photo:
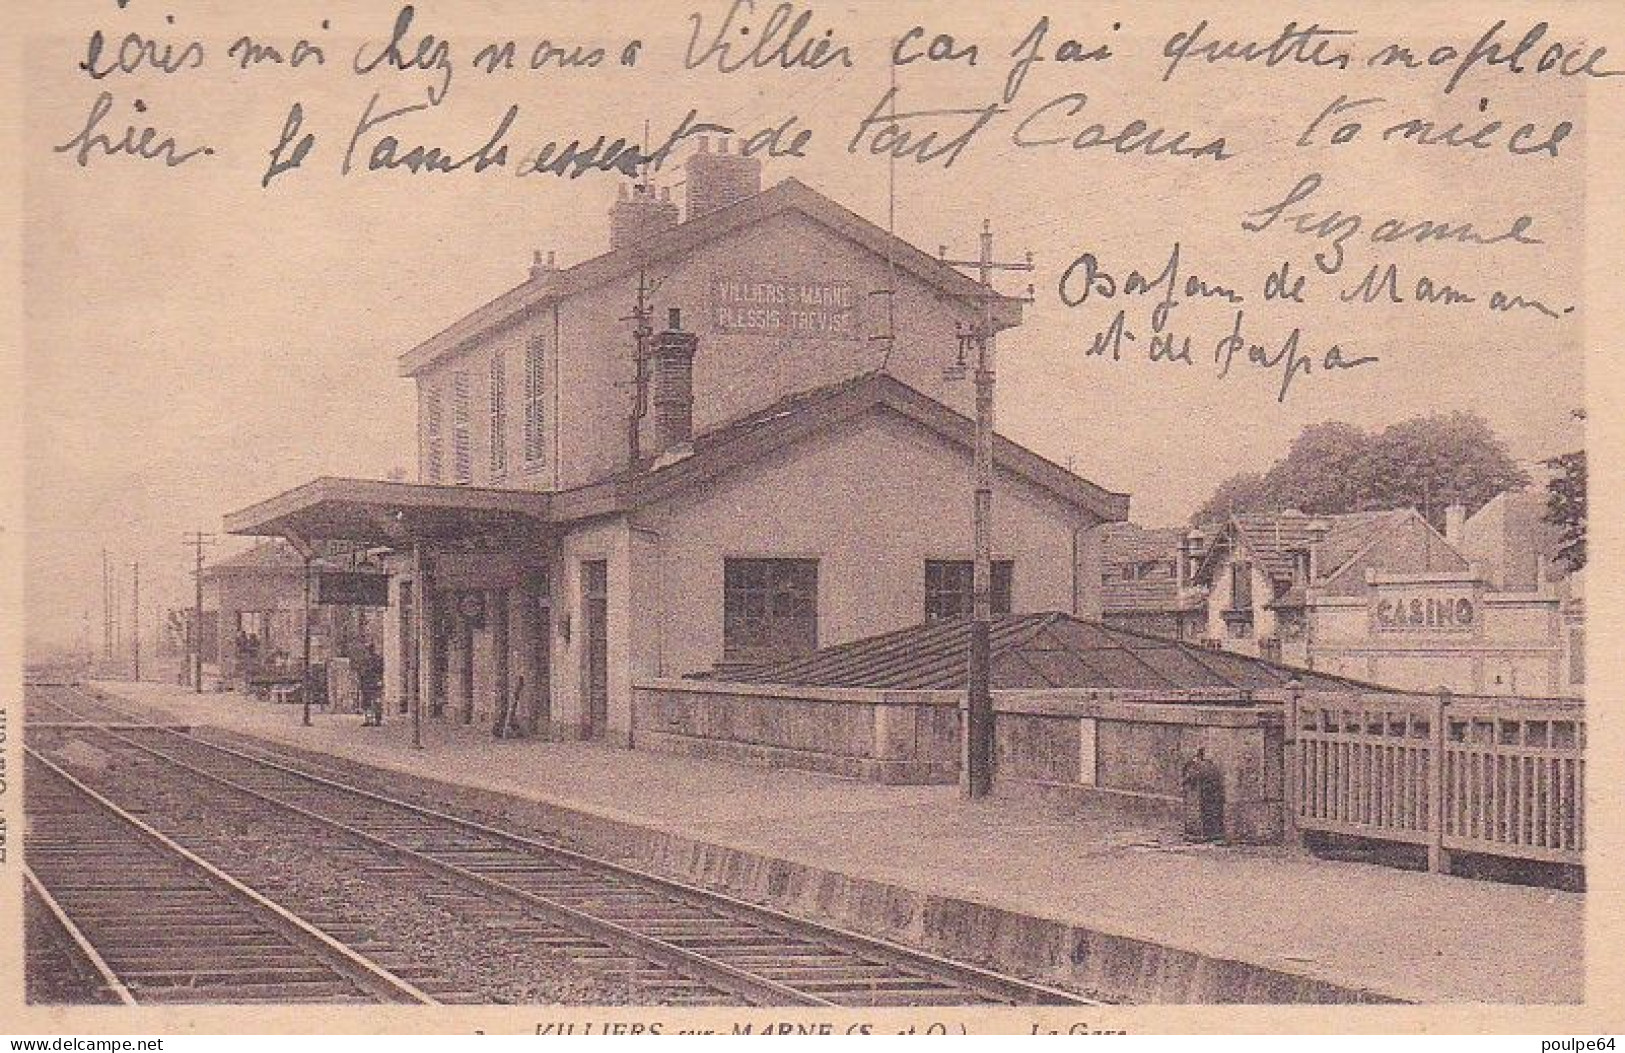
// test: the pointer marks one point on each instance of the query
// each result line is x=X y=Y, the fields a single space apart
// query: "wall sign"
x=1424 y=613
x=781 y=307
x=355 y=588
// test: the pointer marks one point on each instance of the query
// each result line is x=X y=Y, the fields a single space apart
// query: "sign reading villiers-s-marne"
x=781 y=307
x=1424 y=612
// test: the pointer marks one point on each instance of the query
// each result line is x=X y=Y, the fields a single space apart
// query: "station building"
x=1380 y=597
x=776 y=462
x=255 y=605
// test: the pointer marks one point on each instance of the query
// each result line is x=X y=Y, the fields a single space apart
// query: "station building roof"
x=1034 y=651
x=395 y=513
x=791 y=195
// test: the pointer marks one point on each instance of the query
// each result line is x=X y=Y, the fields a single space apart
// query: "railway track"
x=155 y=923
x=705 y=946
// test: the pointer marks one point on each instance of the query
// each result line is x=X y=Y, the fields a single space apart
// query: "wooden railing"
x=1502 y=776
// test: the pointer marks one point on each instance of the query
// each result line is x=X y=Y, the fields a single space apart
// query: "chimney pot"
x=639 y=215
x=716 y=180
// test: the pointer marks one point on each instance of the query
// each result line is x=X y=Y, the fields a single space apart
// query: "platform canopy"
x=392 y=514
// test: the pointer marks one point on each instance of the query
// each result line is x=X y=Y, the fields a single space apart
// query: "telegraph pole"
x=197 y=539
x=642 y=331
x=107 y=609
x=135 y=619
x=977 y=778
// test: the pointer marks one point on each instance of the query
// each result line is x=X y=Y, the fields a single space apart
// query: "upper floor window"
x=431 y=435
x=950 y=588
x=1241 y=586
x=769 y=608
x=499 y=413
x=535 y=404
x=462 y=442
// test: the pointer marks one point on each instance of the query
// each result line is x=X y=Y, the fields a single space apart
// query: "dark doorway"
x=540 y=668
x=465 y=664
x=595 y=624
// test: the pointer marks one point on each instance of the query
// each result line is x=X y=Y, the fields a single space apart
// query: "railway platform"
x=1092 y=898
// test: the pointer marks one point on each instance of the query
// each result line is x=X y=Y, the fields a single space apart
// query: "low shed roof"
x=1035 y=651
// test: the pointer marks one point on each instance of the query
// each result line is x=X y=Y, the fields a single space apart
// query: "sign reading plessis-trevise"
x=782 y=307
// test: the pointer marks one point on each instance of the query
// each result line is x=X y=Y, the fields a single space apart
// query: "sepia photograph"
x=750 y=517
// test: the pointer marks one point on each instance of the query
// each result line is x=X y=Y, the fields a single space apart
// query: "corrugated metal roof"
x=1032 y=651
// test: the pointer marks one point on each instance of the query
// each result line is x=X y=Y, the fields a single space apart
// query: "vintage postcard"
x=752 y=517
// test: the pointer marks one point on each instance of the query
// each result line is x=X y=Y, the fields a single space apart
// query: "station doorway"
x=595 y=658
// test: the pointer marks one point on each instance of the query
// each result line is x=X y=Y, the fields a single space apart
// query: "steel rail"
x=87 y=950
x=984 y=982
x=366 y=974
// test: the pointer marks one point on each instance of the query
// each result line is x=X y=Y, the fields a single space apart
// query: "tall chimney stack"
x=640 y=213
x=674 y=383
x=717 y=180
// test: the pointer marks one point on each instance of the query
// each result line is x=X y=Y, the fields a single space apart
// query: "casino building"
x=1380 y=597
x=766 y=459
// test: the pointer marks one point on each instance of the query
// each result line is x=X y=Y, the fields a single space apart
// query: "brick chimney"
x=1317 y=531
x=717 y=180
x=640 y=213
x=673 y=353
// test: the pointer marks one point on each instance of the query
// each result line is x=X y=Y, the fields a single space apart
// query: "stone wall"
x=1130 y=747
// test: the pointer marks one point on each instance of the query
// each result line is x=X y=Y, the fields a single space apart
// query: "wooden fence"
x=1502 y=776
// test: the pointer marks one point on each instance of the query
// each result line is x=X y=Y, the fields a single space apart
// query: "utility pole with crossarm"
x=977 y=753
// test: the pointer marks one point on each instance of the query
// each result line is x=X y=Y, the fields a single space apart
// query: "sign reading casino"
x=1427 y=612
x=780 y=307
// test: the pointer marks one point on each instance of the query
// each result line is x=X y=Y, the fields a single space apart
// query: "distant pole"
x=197 y=539
x=107 y=609
x=979 y=719
x=135 y=619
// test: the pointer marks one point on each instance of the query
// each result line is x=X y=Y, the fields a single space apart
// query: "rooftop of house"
x=1150 y=554
x=1273 y=540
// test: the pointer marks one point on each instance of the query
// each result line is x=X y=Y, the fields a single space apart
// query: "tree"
x=1433 y=462
x=1242 y=492
x=1566 y=507
x=1322 y=470
x=1427 y=463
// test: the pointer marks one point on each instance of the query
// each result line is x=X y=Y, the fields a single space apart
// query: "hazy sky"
x=196 y=343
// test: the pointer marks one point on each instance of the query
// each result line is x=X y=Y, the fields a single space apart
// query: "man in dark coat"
x=369 y=669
